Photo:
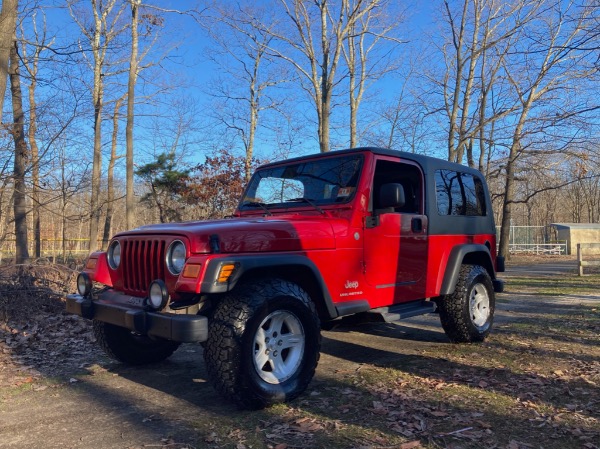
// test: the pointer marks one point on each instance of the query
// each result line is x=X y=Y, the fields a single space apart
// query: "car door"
x=395 y=239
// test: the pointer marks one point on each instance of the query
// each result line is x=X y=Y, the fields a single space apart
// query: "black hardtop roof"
x=427 y=163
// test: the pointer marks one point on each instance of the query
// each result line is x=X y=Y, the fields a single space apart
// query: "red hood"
x=238 y=235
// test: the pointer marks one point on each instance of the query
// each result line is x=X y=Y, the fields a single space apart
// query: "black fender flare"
x=456 y=259
x=247 y=263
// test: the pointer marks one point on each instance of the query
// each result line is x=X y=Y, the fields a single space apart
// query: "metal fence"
x=534 y=240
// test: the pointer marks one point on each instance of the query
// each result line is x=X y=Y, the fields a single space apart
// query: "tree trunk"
x=255 y=92
x=35 y=163
x=325 y=116
x=63 y=209
x=96 y=167
x=458 y=41
x=98 y=99
x=509 y=187
x=133 y=71
x=251 y=137
x=110 y=185
x=325 y=105
x=20 y=160
x=8 y=20
x=351 y=63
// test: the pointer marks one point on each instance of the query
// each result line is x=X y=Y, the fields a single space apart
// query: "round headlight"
x=176 y=257
x=84 y=284
x=158 y=296
x=114 y=254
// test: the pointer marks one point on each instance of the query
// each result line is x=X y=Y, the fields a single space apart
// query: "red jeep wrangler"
x=365 y=232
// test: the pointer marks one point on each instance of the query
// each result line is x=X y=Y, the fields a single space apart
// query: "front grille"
x=143 y=260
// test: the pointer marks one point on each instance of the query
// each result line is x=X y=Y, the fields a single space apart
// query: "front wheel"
x=468 y=313
x=264 y=343
x=125 y=346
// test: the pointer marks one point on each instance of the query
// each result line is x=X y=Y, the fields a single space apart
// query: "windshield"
x=322 y=181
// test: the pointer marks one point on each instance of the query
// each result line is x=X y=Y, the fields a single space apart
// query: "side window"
x=408 y=175
x=459 y=194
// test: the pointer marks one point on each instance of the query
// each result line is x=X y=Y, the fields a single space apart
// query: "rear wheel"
x=264 y=343
x=125 y=346
x=468 y=313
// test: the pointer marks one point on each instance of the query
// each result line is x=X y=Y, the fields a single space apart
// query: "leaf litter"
x=532 y=384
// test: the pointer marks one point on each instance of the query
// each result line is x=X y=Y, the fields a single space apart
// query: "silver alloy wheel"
x=278 y=347
x=479 y=305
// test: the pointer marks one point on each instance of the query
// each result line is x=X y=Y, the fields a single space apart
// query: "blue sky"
x=186 y=64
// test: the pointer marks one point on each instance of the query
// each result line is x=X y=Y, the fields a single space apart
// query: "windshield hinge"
x=371 y=221
x=215 y=245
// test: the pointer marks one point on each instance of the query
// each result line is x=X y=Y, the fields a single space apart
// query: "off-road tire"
x=468 y=313
x=233 y=349
x=123 y=345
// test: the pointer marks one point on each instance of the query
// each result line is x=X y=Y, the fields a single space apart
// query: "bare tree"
x=103 y=29
x=313 y=46
x=242 y=53
x=8 y=21
x=548 y=64
x=31 y=64
x=401 y=122
x=362 y=42
x=133 y=73
x=151 y=22
x=110 y=187
x=20 y=159
x=481 y=32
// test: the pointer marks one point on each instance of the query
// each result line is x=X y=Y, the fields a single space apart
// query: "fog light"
x=84 y=284
x=158 y=296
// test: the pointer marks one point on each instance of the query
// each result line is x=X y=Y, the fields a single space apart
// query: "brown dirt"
x=534 y=383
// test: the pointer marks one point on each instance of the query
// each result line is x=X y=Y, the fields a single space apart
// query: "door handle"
x=416 y=225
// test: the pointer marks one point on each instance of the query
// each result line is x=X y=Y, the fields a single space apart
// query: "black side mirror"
x=391 y=195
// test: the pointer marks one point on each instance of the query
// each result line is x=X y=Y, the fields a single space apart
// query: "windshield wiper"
x=306 y=200
x=263 y=206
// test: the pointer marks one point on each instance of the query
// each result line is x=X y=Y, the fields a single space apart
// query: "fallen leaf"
x=212 y=438
x=483 y=424
x=410 y=445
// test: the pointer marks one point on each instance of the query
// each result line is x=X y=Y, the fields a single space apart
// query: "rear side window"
x=459 y=194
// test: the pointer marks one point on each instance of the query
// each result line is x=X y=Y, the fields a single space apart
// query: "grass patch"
x=533 y=383
x=554 y=285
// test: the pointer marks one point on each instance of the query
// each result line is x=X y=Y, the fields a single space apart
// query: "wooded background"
x=119 y=113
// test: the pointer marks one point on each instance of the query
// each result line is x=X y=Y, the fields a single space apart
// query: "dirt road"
x=63 y=393
x=101 y=404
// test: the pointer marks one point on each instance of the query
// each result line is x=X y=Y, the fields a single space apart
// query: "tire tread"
x=226 y=329
x=120 y=344
x=454 y=307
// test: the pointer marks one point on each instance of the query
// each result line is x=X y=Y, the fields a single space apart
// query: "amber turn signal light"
x=225 y=272
x=191 y=270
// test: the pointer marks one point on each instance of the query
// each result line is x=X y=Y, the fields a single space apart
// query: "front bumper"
x=115 y=308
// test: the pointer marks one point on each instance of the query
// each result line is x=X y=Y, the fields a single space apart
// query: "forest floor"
x=534 y=383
